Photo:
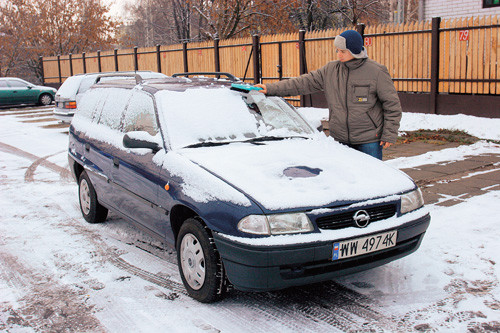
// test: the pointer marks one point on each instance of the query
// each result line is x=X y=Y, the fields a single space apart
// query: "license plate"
x=360 y=246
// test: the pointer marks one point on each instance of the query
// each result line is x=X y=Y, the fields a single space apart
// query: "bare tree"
x=32 y=28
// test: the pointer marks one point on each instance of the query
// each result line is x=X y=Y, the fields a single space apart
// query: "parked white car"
x=69 y=94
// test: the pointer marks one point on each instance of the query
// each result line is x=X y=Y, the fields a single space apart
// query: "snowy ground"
x=59 y=273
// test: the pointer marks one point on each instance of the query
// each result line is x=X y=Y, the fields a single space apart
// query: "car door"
x=4 y=92
x=135 y=174
x=97 y=141
x=22 y=92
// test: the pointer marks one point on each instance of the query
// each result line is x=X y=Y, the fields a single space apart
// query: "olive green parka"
x=363 y=102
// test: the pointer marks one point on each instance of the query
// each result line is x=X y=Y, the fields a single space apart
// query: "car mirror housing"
x=140 y=140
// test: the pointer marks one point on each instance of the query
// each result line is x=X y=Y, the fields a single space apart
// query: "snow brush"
x=245 y=88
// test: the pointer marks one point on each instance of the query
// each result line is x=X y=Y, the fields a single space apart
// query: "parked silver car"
x=69 y=94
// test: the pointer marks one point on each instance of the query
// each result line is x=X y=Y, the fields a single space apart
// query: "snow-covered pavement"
x=59 y=273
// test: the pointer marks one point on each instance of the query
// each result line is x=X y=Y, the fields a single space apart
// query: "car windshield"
x=207 y=117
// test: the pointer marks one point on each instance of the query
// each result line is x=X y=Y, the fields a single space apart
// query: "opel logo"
x=361 y=218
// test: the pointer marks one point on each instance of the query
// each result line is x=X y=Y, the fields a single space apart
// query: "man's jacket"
x=364 y=105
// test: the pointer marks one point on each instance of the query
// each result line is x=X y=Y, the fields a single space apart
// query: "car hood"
x=299 y=173
x=54 y=90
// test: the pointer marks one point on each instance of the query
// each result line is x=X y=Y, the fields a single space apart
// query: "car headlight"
x=276 y=224
x=411 y=201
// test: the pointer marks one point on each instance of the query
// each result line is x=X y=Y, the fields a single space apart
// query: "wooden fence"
x=455 y=56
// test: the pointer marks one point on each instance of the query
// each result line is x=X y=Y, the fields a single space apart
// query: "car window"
x=140 y=114
x=17 y=84
x=114 y=107
x=86 y=83
x=91 y=105
x=3 y=84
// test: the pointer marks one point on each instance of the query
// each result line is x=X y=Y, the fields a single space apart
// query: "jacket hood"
x=299 y=173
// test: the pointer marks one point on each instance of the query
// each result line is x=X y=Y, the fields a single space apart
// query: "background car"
x=17 y=91
x=69 y=94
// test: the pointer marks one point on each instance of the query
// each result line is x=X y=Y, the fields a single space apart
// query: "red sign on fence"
x=368 y=41
x=463 y=35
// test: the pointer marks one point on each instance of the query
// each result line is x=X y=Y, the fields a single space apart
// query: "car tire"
x=45 y=99
x=200 y=266
x=92 y=210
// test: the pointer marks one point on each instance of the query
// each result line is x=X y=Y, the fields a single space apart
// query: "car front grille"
x=344 y=220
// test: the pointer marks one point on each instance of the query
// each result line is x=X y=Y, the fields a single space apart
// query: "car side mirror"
x=140 y=139
x=30 y=87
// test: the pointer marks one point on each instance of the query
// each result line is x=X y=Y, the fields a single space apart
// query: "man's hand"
x=385 y=144
x=263 y=86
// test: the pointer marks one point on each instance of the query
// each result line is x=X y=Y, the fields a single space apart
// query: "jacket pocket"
x=361 y=93
x=375 y=117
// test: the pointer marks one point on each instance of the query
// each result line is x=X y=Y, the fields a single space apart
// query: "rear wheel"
x=199 y=262
x=92 y=210
x=45 y=99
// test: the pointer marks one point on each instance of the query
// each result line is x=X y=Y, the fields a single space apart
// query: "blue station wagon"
x=246 y=191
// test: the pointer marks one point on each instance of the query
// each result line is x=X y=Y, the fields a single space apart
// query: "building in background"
x=458 y=8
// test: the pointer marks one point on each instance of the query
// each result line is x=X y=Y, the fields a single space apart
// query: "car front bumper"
x=260 y=268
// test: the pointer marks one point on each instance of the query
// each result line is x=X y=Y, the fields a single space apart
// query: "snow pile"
x=483 y=128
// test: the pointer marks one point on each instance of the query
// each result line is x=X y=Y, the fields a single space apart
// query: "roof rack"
x=231 y=77
x=138 y=78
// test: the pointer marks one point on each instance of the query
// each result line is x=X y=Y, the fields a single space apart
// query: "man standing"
x=364 y=105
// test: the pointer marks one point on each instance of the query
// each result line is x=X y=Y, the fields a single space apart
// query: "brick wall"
x=456 y=8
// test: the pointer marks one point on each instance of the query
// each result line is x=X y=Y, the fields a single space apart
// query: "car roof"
x=168 y=83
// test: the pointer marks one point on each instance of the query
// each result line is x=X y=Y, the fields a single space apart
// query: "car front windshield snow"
x=200 y=117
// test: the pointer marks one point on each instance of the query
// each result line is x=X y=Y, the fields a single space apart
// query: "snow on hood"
x=297 y=173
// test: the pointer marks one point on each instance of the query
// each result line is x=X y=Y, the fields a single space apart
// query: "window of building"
x=491 y=3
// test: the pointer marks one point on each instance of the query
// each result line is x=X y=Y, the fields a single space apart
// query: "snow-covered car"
x=69 y=93
x=248 y=193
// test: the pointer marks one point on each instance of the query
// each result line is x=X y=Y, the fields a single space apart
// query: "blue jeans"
x=373 y=149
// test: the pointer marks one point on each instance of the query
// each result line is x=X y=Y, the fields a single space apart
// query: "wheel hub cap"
x=192 y=261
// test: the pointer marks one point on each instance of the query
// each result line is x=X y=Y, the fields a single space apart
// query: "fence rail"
x=455 y=56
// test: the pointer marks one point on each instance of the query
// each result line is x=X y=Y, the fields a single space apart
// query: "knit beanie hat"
x=351 y=40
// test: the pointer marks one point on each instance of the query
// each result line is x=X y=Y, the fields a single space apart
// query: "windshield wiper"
x=207 y=144
x=273 y=138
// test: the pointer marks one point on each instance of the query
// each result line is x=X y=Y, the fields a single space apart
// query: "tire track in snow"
x=64 y=173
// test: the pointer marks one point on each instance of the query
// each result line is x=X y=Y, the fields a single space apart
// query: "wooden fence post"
x=59 y=68
x=41 y=71
x=436 y=21
x=71 y=64
x=185 y=57
x=158 y=58
x=116 y=59
x=216 y=55
x=99 y=66
x=84 y=63
x=136 y=59
x=256 y=58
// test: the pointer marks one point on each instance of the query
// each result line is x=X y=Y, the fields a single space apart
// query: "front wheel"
x=92 y=210
x=45 y=99
x=199 y=263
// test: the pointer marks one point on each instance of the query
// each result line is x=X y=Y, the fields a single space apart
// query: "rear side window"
x=17 y=84
x=140 y=114
x=113 y=108
x=90 y=106
x=3 y=84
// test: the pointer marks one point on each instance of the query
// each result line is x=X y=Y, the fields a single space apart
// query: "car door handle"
x=116 y=162
x=87 y=147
